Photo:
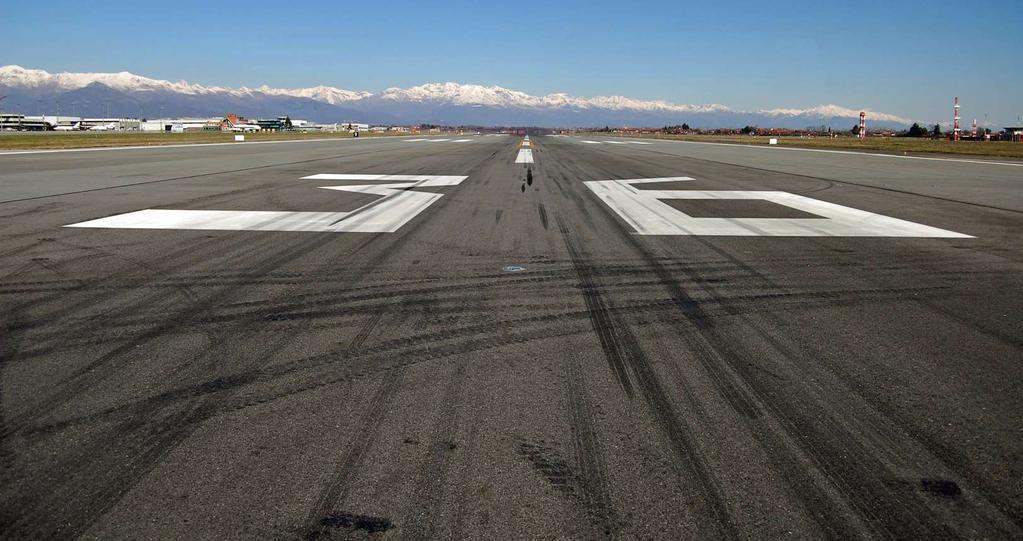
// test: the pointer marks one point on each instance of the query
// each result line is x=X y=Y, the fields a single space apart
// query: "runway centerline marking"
x=645 y=211
x=399 y=204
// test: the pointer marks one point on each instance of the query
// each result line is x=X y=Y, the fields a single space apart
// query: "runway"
x=429 y=338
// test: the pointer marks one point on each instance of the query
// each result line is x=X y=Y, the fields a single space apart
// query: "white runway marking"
x=644 y=211
x=525 y=156
x=438 y=140
x=398 y=204
x=461 y=140
x=414 y=140
x=616 y=142
x=431 y=180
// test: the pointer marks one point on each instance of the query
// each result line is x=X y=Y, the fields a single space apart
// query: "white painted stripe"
x=438 y=140
x=590 y=142
x=616 y=142
x=228 y=220
x=639 y=143
x=525 y=156
x=418 y=139
x=774 y=148
x=392 y=178
x=644 y=211
x=461 y=140
x=652 y=180
x=186 y=145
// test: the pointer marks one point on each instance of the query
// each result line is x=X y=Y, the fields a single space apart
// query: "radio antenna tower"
x=955 y=120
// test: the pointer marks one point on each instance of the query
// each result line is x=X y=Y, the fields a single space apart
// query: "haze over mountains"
x=125 y=94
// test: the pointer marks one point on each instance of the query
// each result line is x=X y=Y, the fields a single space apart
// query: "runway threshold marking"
x=399 y=204
x=644 y=211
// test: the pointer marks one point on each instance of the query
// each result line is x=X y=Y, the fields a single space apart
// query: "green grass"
x=888 y=145
x=51 y=140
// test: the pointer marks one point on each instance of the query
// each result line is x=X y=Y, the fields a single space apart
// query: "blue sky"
x=902 y=57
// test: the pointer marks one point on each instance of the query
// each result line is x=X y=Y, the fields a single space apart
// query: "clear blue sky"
x=902 y=57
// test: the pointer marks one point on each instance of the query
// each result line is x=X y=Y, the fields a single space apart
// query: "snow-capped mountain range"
x=443 y=103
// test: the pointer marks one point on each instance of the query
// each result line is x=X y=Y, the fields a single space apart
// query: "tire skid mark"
x=160 y=428
x=899 y=497
x=962 y=467
x=595 y=493
x=147 y=436
x=334 y=493
x=625 y=355
x=732 y=392
x=10 y=345
x=161 y=431
x=99 y=369
x=433 y=474
x=885 y=508
x=665 y=312
x=290 y=278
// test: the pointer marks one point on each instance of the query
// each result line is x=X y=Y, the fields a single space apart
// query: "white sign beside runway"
x=398 y=204
x=645 y=211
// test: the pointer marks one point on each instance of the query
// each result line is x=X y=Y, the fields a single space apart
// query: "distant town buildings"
x=228 y=123
x=232 y=122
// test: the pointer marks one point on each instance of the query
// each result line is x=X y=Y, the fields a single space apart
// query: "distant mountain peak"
x=436 y=102
x=833 y=111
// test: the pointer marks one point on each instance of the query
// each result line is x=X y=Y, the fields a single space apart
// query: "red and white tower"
x=863 y=125
x=955 y=120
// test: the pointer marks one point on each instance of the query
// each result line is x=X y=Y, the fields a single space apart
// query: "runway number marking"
x=645 y=211
x=398 y=204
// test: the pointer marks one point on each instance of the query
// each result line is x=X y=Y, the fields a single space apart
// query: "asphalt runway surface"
x=515 y=359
